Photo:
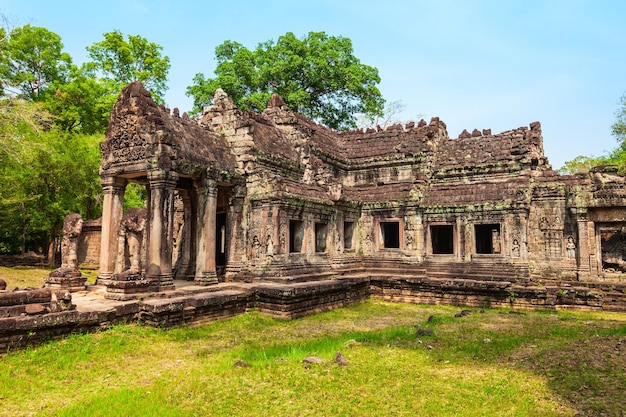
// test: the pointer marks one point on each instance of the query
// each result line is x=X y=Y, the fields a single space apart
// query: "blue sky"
x=475 y=64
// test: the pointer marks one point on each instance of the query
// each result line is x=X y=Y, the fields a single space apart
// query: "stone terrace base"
x=22 y=323
x=477 y=293
x=300 y=299
x=188 y=304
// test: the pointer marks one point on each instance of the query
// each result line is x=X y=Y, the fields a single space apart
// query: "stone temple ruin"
x=278 y=213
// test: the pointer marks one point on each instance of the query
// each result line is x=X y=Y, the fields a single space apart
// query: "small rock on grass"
x=241 y=364
x=312 y=359
x=340 y=359
x=424 y=332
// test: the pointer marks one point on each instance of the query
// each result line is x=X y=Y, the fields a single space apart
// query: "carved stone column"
x=160 y=228
x=112 y=208
x=206 y=194
x=583 y=245
x=419 y=238
x=236 y=236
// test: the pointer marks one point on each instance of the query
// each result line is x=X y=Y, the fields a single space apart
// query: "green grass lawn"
x=490 y=363
x=28 y=276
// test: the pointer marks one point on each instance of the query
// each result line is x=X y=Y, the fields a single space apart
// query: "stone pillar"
x=235 y=234
x=459 y=236
x=583 y=245
x=206 y=193
x=160 y=228
x=112 y=208
x=420 y=238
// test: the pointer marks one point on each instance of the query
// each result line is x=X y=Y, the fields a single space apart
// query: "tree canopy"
x=53 y=114
x=317 y=76
x=31 y=58
x=120 y=61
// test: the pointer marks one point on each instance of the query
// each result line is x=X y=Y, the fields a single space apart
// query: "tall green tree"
x=19 y=119
x=317 y=76
x=52 y=117
x=82 y=104
x=120 y=61
x=53 y=176
x=31 y=58
x=618 y=128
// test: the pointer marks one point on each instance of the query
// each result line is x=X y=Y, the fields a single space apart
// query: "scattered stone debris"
x=424 y=332
x=312 y=359
x=241 y=364
x=340 y=359
x=3 y=285
x=430 y=319
x=351 y=343
x=463 y=313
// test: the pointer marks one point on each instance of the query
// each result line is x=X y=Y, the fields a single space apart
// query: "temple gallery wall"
x=301 y=218
x=239 y=196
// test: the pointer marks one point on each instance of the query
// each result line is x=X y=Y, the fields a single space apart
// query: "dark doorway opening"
x=348 y=234
x=390 y=234
x=487 y=238
x=613 y=243
x=321 y=231
x=296 y=236
x=442 y=238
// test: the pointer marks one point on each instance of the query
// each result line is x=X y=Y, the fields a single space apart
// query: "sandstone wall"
x=88 y=249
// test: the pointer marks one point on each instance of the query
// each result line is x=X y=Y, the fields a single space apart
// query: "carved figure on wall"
x=570 y=248
x=543 y=224
x=256 y=247
x=409 y=241
x=368 y=243
x=515 y=250
x=338 y=243
x=283 y=240
x=269 y=244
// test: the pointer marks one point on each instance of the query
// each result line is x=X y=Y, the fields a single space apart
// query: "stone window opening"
x=534 y=163
x=390 y=235
x=321 y=233
x=296 y=236
x=348 y=235
x=487 y=238
x=442 y=239
x=613 y=246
